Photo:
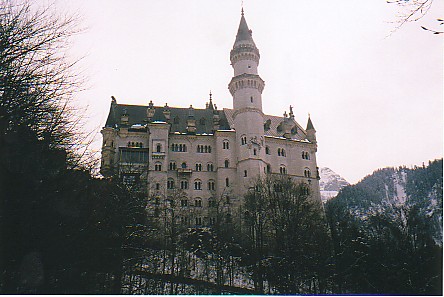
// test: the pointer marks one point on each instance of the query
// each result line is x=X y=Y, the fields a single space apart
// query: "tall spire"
x=310 y=124
x=244 y=34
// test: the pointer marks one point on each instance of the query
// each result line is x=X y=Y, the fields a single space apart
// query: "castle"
x=209 y=153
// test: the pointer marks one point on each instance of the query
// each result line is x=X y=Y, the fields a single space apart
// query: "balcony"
x=184 y=171
x=158 y=155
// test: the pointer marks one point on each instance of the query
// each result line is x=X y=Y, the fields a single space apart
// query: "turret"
x=311 y=132
x=246 y=87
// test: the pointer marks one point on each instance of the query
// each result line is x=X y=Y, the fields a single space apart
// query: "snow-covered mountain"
x=394 y=191
x=331 y=183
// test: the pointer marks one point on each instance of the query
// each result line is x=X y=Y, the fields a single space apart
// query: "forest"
x=66 y=230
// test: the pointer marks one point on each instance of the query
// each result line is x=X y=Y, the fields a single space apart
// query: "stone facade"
x=209 y=154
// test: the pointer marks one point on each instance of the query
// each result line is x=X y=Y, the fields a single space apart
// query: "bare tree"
x=37 y=79
x=412 y=11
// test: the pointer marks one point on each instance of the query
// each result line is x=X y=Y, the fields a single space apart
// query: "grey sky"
x=375 y=101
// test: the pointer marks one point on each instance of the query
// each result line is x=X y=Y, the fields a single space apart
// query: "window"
x=198 y=221
x=212 y=221
x=198 y=203
x=176 y=120
x=173 y=165
x=132 y=144
x=251 y=99
x=254 y=152
x=211 y=202
x=198 y=185
x=198 y=167
x=158 y=167
x=131 y=155
x=307 y=172
x=227 y=163
x=184 y=221
x=129 y=179
x=211 y=185
x=245 y=173
x=226 y=145
x=170 y=184
x=283 y=170
x=267 y=150
x=281 y=152
x=158 y=148
x=183 y=202
x=268 y=168
x=175 y=147
x=203 y=148
x=227 y=182
x=157 y=186
x=184 y=184
x=183 y=165
x=305 y=156
x=210 y=167
x=243 y=140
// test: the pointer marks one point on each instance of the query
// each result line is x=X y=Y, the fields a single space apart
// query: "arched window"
x=227 y=163
x=158 y=148
x=268 y=168
x=173 y=165
x=184 y=165
x=279 y=151
x=243 y=140
x=267 y=150
x=226 y=145
x=184 y=202
x=254 y=152
x=197 y=185
x=210 y=167
x=170 y=184
x=307 y=172
x=158 y=167
x=283 y=169
x=211 y=185
x=198 y=167
x=245 y=173
x=198 y=202
x=227 y=182
x=184 y=184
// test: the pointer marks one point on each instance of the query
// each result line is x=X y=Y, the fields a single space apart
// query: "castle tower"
x=246 y=88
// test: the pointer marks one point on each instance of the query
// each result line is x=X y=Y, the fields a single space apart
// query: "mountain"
x=330 y=183
x=385 y=190
x=386 y=232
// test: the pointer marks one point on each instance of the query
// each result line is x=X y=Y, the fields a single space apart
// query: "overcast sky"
x=375 y=100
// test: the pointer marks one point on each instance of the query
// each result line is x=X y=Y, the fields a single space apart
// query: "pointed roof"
x=310 y=125
x=243 y=33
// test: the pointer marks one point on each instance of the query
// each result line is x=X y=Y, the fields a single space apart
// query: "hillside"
x=388 y=230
